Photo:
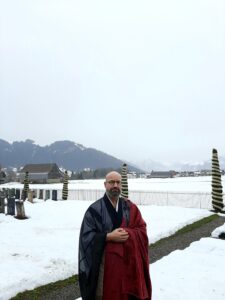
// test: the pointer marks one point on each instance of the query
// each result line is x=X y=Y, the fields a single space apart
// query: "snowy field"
x=189 y=192
x=178 y=184
x=44 y=247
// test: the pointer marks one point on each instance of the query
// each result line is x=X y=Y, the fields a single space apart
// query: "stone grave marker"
x=54 y=195
x=2 y=194
x=20 y=210
x=11 y=193
x=35 y=193
x=2 y=204
x=40 y=194
x=30 y=196
x=17 y=194
x=5 y=192
x=11 y=206
x=47 y=194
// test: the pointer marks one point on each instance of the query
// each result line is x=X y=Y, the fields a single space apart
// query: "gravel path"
x=174 y=243
x=182 y=241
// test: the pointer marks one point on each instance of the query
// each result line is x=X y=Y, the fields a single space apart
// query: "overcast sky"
x=136 y=79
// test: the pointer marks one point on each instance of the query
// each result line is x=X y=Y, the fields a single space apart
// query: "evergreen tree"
x=65 y=187
x=124 y=183
x=26 y=182
x=217 y=190
x=25 y=186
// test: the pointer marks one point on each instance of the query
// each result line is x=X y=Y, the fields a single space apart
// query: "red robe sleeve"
x=126 y=271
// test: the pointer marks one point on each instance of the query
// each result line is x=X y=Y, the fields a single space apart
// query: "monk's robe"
x=126 y=265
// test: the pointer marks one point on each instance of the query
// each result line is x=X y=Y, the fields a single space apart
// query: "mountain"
x=72 y=156
x=66 y=154
x=149 y=165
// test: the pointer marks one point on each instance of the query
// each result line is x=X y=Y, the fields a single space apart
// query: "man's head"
x=113 y=184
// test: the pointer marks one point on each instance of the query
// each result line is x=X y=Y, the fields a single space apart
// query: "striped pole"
x=124 y=183
x=65 y=187
x=217 y=190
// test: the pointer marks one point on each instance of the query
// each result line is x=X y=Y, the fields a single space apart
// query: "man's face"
x=113 y=184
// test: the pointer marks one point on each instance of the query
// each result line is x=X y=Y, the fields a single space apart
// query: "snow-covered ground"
x=194 y=273
x=44 y=247
x=218 y=231
x=178 y=184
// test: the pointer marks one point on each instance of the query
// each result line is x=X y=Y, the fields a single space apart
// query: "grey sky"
x=135 y=79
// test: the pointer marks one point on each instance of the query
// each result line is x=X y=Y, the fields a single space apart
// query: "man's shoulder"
x=127 y=201
x=130 y=204
x=96 y=204
x=94 y=210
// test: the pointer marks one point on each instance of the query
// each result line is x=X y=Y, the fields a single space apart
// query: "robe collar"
x=117 y=203
x=116 y=216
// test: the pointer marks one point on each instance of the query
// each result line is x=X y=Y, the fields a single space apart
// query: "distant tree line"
x=92 y=174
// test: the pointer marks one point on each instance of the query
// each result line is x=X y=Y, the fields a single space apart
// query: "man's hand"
x=118 y=235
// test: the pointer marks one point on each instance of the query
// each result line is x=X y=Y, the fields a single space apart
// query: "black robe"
x=99 y=219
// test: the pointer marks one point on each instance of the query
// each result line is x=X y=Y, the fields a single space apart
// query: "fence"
x=182 y=199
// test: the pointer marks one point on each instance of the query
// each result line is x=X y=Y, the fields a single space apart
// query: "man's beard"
x=114 y=192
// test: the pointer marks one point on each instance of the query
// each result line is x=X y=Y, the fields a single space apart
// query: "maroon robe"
x=126 y=270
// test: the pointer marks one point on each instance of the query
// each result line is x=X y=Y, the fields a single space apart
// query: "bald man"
x=113 y=248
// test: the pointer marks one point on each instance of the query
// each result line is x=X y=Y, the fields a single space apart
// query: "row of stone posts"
x=12 y=200
x=42 y=194
x=9 y=201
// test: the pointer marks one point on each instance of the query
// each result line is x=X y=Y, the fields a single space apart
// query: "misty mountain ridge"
x=150 y=165
x=67 y=154
x=75 y=157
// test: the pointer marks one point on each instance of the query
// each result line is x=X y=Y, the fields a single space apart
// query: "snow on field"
x=44 y=247
x=194 y=273
x=178 y=184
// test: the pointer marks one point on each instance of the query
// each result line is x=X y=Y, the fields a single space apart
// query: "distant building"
x=143 y=175
x=42 y=173
x=206 y=172
x=131 y=175
x=162 y=174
